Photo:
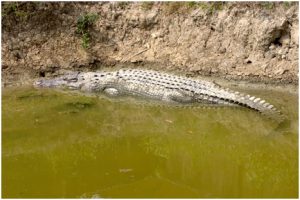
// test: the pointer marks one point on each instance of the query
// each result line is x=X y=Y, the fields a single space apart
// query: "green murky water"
x=67 y=145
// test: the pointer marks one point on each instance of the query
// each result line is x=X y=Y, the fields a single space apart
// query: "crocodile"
x=159 y=86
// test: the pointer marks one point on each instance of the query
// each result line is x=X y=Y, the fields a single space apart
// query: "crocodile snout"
x=47 y=83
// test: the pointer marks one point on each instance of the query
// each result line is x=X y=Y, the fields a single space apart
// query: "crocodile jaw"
x=69 y=81
x=49 y=83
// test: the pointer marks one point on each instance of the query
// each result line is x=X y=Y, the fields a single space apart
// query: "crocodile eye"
x=73 y=79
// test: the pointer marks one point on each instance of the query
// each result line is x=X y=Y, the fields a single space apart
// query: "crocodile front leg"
x=113 y=92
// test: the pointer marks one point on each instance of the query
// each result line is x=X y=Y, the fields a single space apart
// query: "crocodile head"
x=70 y=80
x=85 y=81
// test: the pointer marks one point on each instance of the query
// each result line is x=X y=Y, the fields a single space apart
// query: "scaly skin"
x=159 y=86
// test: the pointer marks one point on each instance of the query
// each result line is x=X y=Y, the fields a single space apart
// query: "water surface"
x=68 y=145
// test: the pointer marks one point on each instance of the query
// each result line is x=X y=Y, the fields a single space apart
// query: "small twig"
x=137 y=54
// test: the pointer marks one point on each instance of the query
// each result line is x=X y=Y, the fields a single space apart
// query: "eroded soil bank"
x=256 y=42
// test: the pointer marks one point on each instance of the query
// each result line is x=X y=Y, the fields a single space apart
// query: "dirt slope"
x=250 y=41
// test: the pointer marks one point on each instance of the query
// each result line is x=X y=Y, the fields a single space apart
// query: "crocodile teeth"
x=270 y=106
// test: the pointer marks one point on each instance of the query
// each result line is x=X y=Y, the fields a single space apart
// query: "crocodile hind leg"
x=178 y=97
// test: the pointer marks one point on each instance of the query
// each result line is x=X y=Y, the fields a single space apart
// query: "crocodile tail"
x=256 y=104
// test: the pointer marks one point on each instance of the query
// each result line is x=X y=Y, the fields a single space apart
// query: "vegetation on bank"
x=14 y=9
x=21 y=12
x=84 y=22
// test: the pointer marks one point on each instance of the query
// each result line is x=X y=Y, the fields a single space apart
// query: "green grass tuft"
x=83 y=24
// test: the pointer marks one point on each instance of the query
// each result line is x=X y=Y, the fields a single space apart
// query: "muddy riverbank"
x=253 y=42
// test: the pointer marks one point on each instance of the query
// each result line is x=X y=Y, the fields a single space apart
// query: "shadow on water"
x=68 y=145
x=79 y=105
